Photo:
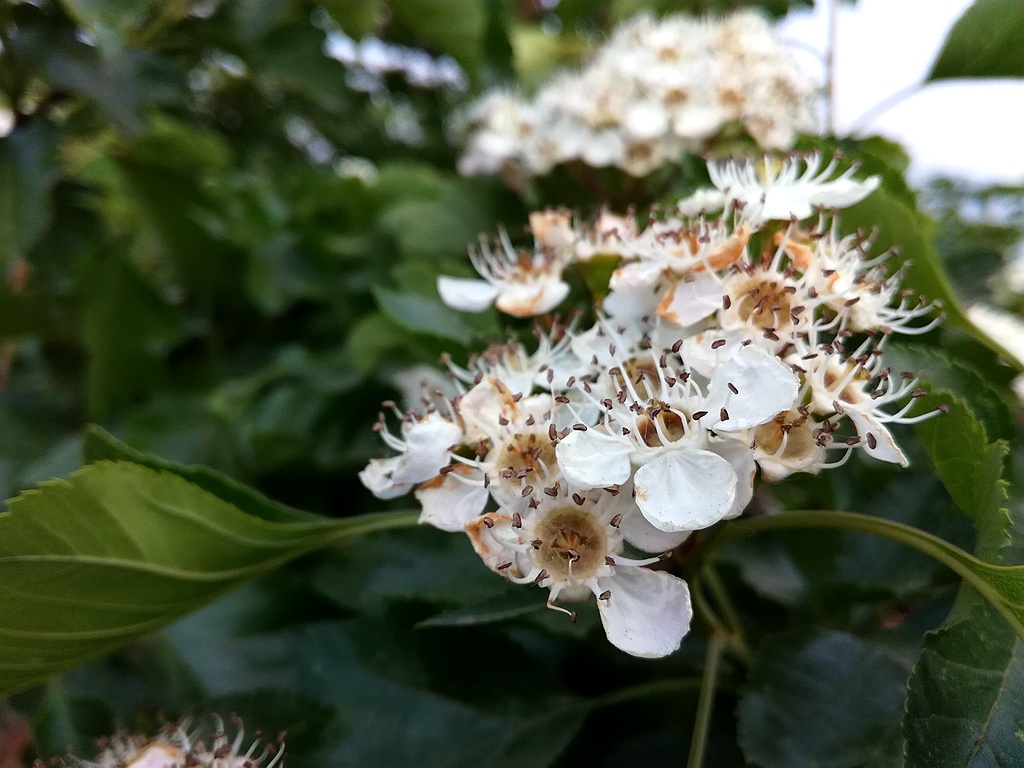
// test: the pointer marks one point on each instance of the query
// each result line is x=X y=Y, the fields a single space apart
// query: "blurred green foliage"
x=221 y=243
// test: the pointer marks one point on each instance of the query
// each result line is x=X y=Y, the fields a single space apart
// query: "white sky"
x=973 y=129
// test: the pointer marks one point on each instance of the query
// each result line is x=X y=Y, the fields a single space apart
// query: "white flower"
x=852 y=285
x=673 y=274
x=571 y=545
x=701 y=201
x=610 y=235
x=175 y=747
x=422 y=451
x=659 y=428
x=514 y=463
x=548 y=367
x=856 y=386
x=654 y=91
x=517 y=282
x=793 y=187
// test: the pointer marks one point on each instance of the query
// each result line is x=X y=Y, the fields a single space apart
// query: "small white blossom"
x=572 y=545
x=654 y=91
x=519 y=283
x=422 y=450
x=790 y=188
x=176 y=747
x=659 y=430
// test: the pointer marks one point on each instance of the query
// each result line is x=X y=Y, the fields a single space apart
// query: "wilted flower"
x=175 y=746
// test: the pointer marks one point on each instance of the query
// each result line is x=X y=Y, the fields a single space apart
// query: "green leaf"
x=28 y=170
x=423 y=315
x=357 y=18
x=429 y=229
x=497 y=609
x=907 y=230
x=939 y=371
x=964 y=700
x=110 y=20
x=970 y=468
x=65 y=722
x=823 y=698
x=128 y=325
x=984 y=42
x=371 y=676
x=455 y=27
x=1002 y=586
x=100 y=445
x=963 y=705
x=124 y=85
x=119 y=550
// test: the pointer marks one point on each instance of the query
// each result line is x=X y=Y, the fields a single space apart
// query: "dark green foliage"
x=218 y=250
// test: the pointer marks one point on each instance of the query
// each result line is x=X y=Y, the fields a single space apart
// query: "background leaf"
x=120 y=550
x=984 y=42
x=823 y=698
x=964 y=696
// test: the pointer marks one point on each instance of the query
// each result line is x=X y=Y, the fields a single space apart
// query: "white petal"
x=497 y=543
x=642 y=535
x=885 y=448
x=685 y=490
x=782 y=203
x=702 y=357
x=377 y=477
x=699 y=122
x=482 y=406
x=766 y=386
x=449 y=503
x=741 y=457
x=645 y=120
x=528 y=299
x=843 y=192
x=466 y=295
x=603 y=148
x=629 y=307
x=708 y=200
x=593 y=459
x=636 y=277
x=687 y=302
x=648 y=612
x=161 y=756
x=427 y=443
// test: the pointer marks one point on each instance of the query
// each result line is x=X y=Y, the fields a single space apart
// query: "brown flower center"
x=573 y=544
x=764 y=302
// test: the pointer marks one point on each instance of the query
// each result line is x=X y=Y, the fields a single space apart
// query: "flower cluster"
x=750 y=340
x=175 y=746
x=657 y=89
x=371 y=60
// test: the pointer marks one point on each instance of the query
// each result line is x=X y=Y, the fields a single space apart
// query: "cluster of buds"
x=176 y=746
x=726 y=345
x=655 y=90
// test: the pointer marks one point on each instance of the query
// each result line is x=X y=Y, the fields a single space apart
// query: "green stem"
x=730 y=630
x=378 y=521
x=643 y=690
x=958 y=561
x=724 y=602
x=708 y=685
